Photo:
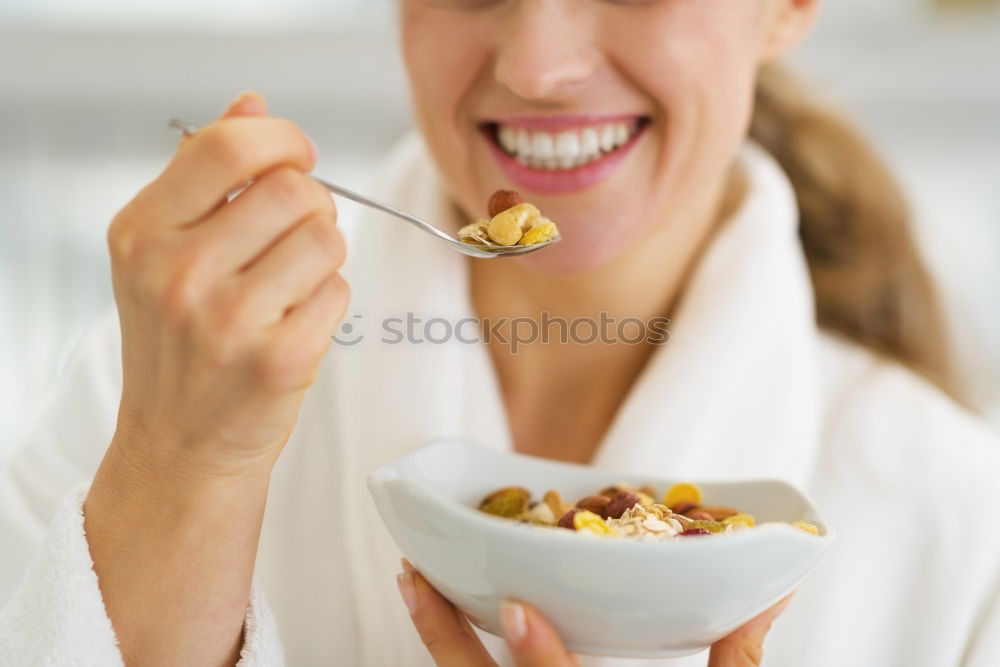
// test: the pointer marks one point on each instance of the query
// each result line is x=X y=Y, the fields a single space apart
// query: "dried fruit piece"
x=588 y=522
x=740 y=520
x=596 y=504
x=542 y=231
x=682 y=493
x=710 y=526
x=621 y=501
x=611 y=491
x=806 y=526
x=509 y=502
x=501 y=200
x=566 y=520
x=694 y=531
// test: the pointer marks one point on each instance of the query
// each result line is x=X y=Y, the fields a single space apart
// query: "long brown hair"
x=870 y=282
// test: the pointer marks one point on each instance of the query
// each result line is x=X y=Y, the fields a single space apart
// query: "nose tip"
x=543 y=55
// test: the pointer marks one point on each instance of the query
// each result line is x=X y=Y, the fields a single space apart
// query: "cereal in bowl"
x=626 y=512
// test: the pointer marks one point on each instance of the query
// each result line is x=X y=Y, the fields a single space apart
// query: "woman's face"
x=615 y=117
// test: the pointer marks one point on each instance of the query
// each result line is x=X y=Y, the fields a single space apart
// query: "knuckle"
x=324 y=202
x=121 y=237
x=323 y=233
x=222 y=142
x=292 y=189
x=182 y=290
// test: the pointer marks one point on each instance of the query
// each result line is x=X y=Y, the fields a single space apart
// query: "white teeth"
x=621 y=134
x=608 y=138
x=590 y=144
x=523 y=144
x=566 y=150
x=508 y=138
x=542 y=145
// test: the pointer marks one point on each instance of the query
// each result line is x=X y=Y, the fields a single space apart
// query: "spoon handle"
x=362 y=199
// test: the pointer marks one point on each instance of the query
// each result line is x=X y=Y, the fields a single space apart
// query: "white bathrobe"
x=746 y=387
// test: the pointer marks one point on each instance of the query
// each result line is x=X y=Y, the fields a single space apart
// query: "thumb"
x=745 y=646
x=247 y=104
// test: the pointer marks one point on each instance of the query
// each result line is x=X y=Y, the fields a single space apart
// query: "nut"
x=508 y=502
x=541 y=514
x=507 y=227
x=719 y=512
x=555 y=502
x=698 y=515
x=684 y=508
x=501 y=200
x=596 y=504
x=623 y=500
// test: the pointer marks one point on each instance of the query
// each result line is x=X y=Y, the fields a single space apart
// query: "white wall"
x=85 y=93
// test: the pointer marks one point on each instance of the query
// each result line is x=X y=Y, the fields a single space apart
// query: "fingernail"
x=408 y=591
x=313 y=151
x=512 y=619
x=407 y=566
x=250 y=102
x=780 y=607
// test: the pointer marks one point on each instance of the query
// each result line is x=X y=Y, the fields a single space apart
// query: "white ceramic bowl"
x=605 y=596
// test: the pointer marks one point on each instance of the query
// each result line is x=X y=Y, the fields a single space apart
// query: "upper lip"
x=558 y=122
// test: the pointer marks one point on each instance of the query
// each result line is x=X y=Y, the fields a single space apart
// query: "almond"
x=501 y=200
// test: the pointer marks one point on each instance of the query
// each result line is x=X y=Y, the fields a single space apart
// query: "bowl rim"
x=388 y=475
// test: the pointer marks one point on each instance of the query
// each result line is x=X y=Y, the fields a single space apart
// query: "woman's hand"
x=452 y=642
x=226 y=307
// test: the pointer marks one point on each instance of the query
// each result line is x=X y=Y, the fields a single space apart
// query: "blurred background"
x=86 y=89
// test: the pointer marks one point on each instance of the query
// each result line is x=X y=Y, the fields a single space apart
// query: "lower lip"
x=557 y=181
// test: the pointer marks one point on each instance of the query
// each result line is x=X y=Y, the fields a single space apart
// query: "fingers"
x=445 y=632
x=291 y=270
x=219 y=158
x=745 y=646
x=247 y=104
x=261 y=214
x=532 y=641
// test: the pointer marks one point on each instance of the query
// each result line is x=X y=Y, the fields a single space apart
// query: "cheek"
x=443 y=54
x=701 y=81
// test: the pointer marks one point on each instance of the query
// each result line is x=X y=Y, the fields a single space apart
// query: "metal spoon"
x=467 y=248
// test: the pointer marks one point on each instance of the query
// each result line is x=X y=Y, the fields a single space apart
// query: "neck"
x=644 y=283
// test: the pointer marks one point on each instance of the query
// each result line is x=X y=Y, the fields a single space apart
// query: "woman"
x=225 y=308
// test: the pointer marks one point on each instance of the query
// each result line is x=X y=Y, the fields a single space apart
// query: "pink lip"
x=556 y=123
x=559 y=181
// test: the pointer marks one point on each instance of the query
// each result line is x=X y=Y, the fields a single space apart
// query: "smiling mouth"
x=570 y=148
